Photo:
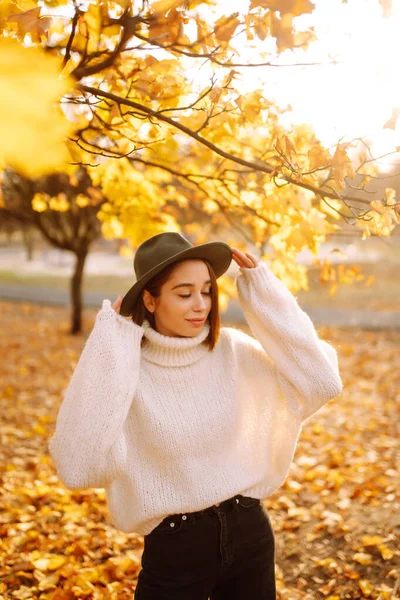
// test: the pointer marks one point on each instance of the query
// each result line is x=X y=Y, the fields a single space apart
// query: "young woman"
x=188 y=426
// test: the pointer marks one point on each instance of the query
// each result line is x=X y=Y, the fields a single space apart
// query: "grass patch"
x=91 y=283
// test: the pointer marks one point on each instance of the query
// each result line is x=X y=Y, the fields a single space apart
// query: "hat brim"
x=218 y=254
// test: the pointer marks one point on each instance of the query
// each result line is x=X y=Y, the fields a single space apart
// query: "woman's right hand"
x=117 y=304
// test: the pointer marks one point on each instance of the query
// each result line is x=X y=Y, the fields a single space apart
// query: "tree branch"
x=210 y=56
x=252 y=166
x=75 y=19
x=128 y=25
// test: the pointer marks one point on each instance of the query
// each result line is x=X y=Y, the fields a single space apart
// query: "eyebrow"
x=188 y=284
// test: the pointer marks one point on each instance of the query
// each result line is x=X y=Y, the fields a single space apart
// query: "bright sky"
x=356 y=96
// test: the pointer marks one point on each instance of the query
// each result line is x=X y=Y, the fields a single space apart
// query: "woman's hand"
x=117 y=304
x=244 y=260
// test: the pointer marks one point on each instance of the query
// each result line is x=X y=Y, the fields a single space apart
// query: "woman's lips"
x=196 y=321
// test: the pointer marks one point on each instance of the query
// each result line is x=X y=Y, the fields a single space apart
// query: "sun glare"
x=357 y=95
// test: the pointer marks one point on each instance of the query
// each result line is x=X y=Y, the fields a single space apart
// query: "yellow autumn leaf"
x=88 y=574
x=301 y=7
x=30 y=22
x=294 y=7
x=50 y=563
x=390 y=195
x=336 y=478
x=294 y=486
x=317 y=220
x=92 y=18
x=377 y=206
x=371 y=540
x=54 y=3
x=333 y=288
x=363 y=558
x=59 y=203
x=49 y=583
x=325 y=562
x=112 y=228
x=121 y=566
x=318 y=157
x=82 y=200
x=15 y=6
x=370 y=280
x=341 y=166
x=331 y=208
x=39 y=429
x=163 y=6
x=83 y=588
x=225 y=27
x=366 y=587
x=40 y=202
x=32 y=126
x=386 y=552
x=7 y=7
x=261 y=26
x=251 y=104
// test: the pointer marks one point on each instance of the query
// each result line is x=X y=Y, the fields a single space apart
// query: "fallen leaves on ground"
x=336 y=519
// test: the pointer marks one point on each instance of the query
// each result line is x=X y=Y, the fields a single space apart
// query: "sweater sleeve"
x=306 y=366
x=88 y=445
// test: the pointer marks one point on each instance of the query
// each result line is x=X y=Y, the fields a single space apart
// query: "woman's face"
x=186 y=295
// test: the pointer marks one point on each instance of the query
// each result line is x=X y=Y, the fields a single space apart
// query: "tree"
x=141 y=117
x=64 y=210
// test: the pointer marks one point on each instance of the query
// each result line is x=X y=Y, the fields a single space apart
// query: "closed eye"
x=188 y=295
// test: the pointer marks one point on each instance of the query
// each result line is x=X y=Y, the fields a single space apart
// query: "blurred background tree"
x=64 y=210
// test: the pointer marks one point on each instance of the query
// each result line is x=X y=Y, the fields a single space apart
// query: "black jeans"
x=225 y=552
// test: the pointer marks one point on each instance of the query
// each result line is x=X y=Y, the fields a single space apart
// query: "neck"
x=169 y=351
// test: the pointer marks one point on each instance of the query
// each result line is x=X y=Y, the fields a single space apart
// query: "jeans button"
x=172 y=524
x=237 y=500
x=184 y=517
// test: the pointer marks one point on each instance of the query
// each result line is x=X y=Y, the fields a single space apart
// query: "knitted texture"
x=167 y=426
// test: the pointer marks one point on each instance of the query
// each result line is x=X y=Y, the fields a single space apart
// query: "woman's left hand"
x=246 y=260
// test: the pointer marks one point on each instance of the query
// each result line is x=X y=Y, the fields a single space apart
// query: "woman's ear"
x=148 y=300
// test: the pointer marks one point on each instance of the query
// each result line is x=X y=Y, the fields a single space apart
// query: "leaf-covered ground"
x=336 y=519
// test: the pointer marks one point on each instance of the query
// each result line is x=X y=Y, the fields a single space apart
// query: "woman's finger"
x=239 y=256
x=243 y=260
x=252 y=258
x=117 y=304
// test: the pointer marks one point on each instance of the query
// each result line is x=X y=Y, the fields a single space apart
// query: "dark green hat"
x=161 y=250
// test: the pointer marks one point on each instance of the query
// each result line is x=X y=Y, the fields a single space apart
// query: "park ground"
x=336 y=518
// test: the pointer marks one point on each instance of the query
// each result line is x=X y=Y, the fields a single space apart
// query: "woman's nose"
x=200 y=302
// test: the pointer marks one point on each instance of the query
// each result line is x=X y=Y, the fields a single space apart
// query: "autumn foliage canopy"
x=160 y=102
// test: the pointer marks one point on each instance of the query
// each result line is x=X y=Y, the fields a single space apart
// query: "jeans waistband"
x=224 y=505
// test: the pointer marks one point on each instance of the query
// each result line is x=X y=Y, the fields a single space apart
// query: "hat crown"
x=157 y=249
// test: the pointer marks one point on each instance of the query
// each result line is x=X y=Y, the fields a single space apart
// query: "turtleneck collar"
x=171 y=351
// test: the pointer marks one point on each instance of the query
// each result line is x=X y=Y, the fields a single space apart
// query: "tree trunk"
x=76 y=292
x=27 y=235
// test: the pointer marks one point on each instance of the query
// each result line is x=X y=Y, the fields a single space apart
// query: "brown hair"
x=140 y=313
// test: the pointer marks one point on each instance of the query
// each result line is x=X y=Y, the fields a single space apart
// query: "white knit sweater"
x=171 y=427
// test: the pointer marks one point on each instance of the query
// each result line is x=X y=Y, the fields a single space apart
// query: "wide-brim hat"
x=162 y=249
